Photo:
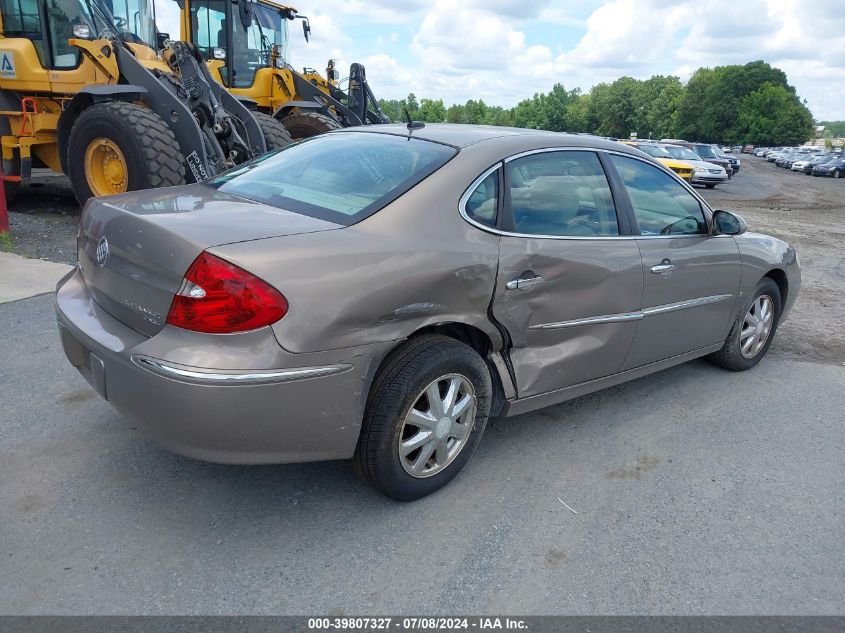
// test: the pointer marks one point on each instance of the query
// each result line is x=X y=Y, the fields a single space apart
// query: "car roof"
x=461 y=135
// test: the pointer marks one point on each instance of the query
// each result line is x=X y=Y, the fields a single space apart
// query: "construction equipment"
x=84 y=92
x=245 y=43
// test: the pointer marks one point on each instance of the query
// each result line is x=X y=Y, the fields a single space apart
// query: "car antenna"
x=412 y=125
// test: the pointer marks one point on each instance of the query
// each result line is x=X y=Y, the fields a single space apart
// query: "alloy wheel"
x=437 y=426
x=757 y=326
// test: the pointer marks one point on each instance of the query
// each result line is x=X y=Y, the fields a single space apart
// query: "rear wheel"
x=426 y=413
x=275 y=134
x=117 y=146
x=303 y=124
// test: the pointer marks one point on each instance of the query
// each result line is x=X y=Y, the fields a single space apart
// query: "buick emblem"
x=102 y=252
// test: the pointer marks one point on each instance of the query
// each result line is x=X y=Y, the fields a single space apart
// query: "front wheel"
x=837 y=174
x=427 y=410
x=753 y=330
x=118 y=146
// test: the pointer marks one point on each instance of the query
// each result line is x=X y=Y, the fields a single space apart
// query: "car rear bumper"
x=306 y=408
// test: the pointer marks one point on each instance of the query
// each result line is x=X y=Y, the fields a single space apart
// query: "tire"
x=275 y=134
x=730 y=356
x=709 y=185
x=837 y=174
x=302 y=124
x=401 y=384
x=149 y=149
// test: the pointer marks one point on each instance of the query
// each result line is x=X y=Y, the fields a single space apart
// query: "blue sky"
x=505 y=50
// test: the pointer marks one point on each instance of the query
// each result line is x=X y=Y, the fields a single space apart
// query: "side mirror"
x=727 y=223
x=306 y=29
x=161 y=40
x=81 y=31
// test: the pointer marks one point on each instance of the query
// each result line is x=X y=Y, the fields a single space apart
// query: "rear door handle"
x=524 y=283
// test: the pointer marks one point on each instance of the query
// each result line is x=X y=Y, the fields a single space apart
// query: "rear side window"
x=562 y=193
x=481 y=205
x=341 y=177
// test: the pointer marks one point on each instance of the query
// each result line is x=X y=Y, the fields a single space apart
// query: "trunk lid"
x=135 y=248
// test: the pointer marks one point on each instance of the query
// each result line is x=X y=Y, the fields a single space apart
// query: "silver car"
x=704 y=173
x=379 y=293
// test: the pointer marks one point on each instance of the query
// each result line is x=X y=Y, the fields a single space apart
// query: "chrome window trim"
x=624 y=317
x=245 y=377
x=708 y=211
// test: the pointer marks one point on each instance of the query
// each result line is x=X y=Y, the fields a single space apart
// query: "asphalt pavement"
x=691 y=491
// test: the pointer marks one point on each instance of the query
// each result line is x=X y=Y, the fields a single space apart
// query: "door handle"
x=663 y=268
x=523 y=283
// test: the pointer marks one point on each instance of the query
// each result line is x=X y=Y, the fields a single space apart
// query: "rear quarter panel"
x=414 y=263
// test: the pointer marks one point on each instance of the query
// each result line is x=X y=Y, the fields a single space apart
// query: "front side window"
x=208 y=26
x=661 y=204
x=22 y=18
x=481 y=205
x=341 y=177
x=252 y=46
x=133 y=20
x=563 y=193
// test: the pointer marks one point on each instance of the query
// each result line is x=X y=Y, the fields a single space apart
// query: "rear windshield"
x=654 y=150
x=705 y=151
x=341 y=177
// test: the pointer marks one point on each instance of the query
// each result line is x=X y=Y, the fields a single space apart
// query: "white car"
x=704 y=173
x=799 y=165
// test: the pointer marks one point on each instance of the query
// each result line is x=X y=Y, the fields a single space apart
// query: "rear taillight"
x=218 y=297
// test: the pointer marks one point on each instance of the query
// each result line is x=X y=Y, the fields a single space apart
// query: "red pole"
x=4 y=212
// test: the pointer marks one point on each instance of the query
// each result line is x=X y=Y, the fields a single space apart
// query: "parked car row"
x=812 y=161
x=697 y=163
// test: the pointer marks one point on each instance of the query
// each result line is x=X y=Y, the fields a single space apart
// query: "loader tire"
x=307 y=123
x=118 y=146
x=275 y=134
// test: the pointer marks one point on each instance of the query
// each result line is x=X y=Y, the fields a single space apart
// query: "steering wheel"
x=667 y=230
x=120 y=23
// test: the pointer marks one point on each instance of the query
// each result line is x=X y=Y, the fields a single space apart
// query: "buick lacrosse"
x=378 y=293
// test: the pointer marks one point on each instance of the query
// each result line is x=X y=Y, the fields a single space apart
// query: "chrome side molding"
x=245 y=377
x=632 y=316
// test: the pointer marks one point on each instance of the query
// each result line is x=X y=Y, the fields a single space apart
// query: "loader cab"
x=50 y=24
x=245 y=36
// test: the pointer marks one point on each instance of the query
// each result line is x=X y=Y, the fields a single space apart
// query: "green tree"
x=773 y=115
x=431 y=111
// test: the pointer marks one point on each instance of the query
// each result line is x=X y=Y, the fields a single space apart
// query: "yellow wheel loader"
x=84 y=92
x=245 y=43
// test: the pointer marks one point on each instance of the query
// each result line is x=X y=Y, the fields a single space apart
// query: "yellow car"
x=683 y=169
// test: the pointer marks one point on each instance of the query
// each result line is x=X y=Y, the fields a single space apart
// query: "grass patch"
x=5 y=240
